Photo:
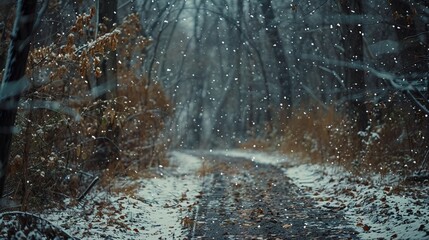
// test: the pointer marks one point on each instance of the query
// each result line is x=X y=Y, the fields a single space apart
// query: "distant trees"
x=236 y=98
x=266 y=62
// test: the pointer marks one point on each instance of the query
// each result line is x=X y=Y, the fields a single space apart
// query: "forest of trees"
x=335 y=81
x=115 y=84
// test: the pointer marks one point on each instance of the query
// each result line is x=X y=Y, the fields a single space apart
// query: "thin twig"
x=424 y=161
x=94 y=181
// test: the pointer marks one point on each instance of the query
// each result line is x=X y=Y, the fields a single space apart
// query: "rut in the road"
x=247 y=200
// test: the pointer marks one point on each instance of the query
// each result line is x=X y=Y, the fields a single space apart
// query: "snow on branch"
x=411 y=85
x=397 y=82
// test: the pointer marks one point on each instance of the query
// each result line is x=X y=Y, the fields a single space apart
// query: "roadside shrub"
x=393 y=141
x=61 y=122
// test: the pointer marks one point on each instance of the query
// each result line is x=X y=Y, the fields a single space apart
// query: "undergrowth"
x=395 y=141
x=62 y=124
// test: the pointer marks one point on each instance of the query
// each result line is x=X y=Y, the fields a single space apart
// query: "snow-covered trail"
x=157 y=208
x=247 y=199
x=378 y=207
x=173 y=204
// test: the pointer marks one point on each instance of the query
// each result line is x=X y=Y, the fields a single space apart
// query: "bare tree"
x=4 y=16
x=276 y=42
x=14 y=83
x=353 y=53
x=107 y=85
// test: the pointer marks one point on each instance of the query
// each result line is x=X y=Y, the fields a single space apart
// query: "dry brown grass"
x=205 y=169
x=394 y=142
x=256 y=144
x=320 y=136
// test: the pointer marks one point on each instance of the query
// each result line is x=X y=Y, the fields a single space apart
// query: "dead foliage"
x=394 y=142
x=62 y=122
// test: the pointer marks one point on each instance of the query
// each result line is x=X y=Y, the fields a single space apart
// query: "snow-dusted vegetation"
x=205 y=118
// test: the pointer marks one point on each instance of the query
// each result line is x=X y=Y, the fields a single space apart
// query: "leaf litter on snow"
x=372 y=205
x=377 y=206
x=158 y=208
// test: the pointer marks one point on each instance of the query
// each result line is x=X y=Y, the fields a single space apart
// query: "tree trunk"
x=14 y=72
x=106 y=143
x=276 y=43
x=411 y=55
x=5 y=12
x=198 y=77
x=353 y=53
x=107 y=16
x=414 y=48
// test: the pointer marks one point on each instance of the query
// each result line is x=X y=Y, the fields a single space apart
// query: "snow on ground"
x=157 y=209
x=377 y=207
x=255 y=156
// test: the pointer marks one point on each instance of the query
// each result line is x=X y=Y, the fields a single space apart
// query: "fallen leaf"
x=366 y=228
x=187 y=222
x=200 y=195
x=286 y=226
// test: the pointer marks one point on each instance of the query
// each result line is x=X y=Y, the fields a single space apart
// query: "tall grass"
x=394 y=141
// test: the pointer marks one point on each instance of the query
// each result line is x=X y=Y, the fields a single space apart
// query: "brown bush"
x=61 y=123
x=394 y=142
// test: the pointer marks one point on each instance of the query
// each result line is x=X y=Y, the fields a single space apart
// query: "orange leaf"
x=366 y=228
